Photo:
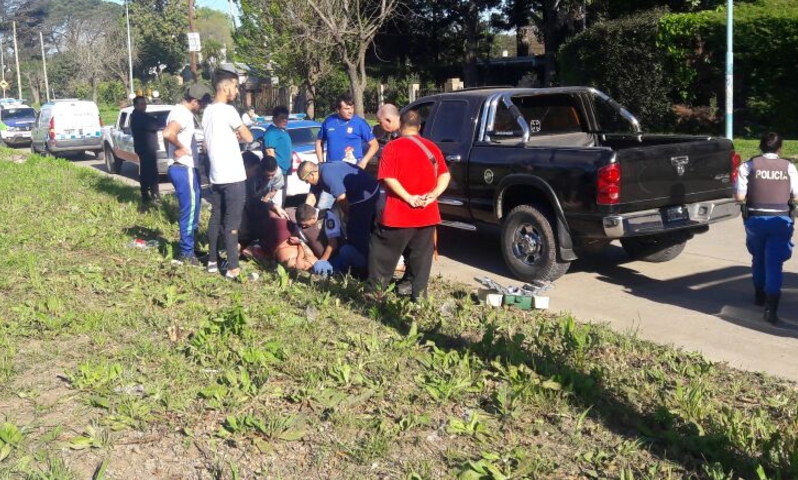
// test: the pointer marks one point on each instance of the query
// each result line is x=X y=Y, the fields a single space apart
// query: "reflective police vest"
x=768 y=187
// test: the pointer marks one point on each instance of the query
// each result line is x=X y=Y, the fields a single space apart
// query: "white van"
x=68 y=126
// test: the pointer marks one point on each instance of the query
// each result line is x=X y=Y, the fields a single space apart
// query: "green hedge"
x=765 y=62
x=656 y=59
x=622 y=59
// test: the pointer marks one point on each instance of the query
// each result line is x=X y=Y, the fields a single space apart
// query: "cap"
x=199 y=91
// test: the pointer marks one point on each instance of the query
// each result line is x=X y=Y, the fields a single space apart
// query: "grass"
x=749 y=147
x=108 y=114
x=113 y=362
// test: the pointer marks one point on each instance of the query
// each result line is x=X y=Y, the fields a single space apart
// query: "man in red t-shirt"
x=414 y=175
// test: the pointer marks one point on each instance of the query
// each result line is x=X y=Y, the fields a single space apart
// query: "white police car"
x=16 y=122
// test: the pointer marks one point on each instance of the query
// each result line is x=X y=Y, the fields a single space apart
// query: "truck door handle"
x=453 y=158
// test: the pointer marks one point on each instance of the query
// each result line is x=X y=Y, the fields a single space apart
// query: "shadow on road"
x=726 y=293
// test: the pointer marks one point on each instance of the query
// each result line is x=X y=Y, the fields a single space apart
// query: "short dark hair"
x=250 y=159
x=221 y=75
x=304 y=212
x=279 y=110
x=410 y=119
x=770 y=142
x=346 y=99
x=138 y=99
x=268 y=164
x=305 y=167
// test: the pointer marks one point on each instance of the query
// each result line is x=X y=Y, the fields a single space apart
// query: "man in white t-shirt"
x=181 y=148
x=223 y=129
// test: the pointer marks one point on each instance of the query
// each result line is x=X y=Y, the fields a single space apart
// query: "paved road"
x=700 y=301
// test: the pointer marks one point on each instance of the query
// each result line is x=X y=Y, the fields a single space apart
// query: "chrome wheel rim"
x=527 y=244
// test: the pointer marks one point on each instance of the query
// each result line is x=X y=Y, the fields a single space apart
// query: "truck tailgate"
x=654 y=176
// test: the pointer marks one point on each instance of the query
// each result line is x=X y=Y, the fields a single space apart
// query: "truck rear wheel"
x=529 y=245
x=655 y=248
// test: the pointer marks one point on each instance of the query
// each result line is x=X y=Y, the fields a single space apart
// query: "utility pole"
x=191 y=30
x=129 y=52
x=16 y=57
x=232 y=14
x=3 y=65
x=729 y=70
x=44 y=66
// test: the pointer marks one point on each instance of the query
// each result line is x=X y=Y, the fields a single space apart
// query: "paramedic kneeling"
x=768 y=185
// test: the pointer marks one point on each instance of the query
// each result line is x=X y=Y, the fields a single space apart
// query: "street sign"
x=194 y=42
x=3 y=84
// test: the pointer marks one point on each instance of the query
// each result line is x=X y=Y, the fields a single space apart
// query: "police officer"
x=145 y=143
x=768 y=185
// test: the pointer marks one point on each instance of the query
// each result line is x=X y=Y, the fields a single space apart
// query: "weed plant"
x=115 y=362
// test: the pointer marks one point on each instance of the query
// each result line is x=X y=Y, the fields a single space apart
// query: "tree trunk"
x=310 y=101
x=34 y=89
x=94 y=90
x=357 y=84
x=550 y=41
x=472 y=32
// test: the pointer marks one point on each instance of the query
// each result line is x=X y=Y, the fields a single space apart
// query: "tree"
x=273 y=38
x=352 y=25
x=467 y=15
x=160 y=28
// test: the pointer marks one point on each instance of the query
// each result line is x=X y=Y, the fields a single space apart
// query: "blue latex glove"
x=322 y=267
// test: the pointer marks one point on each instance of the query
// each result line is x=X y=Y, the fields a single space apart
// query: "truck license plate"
x=676 y=214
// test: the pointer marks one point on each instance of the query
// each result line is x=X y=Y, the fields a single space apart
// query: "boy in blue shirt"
x=276 y=141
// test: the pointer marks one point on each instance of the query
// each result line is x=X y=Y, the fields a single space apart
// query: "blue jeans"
x=769 y=241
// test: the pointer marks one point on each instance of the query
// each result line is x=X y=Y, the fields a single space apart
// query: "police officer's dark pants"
x=360 y=222
x=769 y=242
x=148 y=174
x=227 y=207
x=387 y=244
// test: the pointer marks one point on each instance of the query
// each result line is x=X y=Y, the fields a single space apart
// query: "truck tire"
x=654 y=248
x=113 y=164
x=529 y=246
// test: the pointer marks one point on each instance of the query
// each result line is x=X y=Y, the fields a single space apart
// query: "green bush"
x=112 y=92
x=328 y=90
x=622 y=59
x=765 y=67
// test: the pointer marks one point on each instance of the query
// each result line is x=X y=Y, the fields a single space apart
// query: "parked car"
x=118 y=139
x=303 y=135
x=565 y=170
x=67 y=126
x=18 y=120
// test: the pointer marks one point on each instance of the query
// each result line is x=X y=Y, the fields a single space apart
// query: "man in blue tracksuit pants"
x=183 y=172
x=768 y=185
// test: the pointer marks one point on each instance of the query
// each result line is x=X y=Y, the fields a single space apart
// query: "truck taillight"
x=735 y=164
x=608 y=184
x=101 y=120
x=52 y=128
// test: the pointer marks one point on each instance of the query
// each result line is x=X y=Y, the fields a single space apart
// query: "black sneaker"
x=186 y=260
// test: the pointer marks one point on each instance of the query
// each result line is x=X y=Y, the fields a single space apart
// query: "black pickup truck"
x=566 y=170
